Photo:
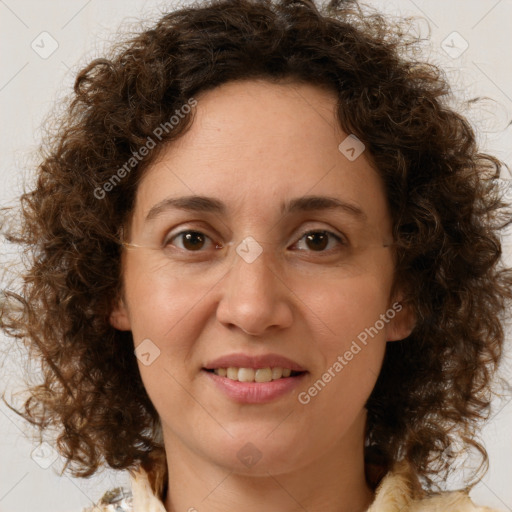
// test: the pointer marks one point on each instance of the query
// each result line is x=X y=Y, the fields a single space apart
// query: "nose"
x=255 y=297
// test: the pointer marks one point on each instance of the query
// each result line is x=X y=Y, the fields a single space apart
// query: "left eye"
x=194 y=241
x=191 y=240
x=320 y=239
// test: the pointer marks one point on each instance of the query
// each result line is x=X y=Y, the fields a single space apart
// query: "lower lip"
x=255 y=392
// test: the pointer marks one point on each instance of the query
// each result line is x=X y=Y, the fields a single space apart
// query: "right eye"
x=191 y=240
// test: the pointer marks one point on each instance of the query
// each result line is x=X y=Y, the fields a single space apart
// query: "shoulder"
x=400 y=491
x=140 y=497
x=116 y=500
x=450 y=502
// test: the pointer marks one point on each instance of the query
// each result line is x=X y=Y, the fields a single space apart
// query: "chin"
x=256 y=454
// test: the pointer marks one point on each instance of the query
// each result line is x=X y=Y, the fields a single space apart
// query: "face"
x=284 y=256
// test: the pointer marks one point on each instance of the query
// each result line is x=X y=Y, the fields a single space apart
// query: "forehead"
x=256 y=144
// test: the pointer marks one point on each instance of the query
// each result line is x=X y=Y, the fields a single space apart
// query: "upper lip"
x=246 y=361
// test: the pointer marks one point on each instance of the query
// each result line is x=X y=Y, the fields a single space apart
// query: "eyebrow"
x=207 y=204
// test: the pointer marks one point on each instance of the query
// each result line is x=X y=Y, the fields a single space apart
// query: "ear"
x=119 y=317
x=404 y=321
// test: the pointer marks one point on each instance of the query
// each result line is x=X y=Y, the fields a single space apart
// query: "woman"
x=265 y=267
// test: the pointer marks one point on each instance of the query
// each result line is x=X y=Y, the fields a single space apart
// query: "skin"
x=252 y=145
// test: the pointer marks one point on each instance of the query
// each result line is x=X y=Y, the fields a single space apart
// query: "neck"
x=332 y=482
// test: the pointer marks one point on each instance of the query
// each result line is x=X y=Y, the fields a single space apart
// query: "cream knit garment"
x=394 y=494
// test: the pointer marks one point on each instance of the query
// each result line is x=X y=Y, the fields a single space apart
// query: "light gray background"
x=29 y=84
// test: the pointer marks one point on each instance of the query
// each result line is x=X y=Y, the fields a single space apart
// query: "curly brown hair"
x=447 y=213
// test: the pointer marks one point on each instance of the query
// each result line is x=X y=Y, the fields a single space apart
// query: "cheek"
x=352 y=345
x=351 y=318
x=349 y=308
x=163 y=317
x=161 y=301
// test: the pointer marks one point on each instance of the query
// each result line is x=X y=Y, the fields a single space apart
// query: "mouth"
x=260 y=375
x=254 y=379
x=255 y=385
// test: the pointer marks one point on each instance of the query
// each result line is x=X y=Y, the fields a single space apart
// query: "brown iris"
x=319 y=237
x=193 y=240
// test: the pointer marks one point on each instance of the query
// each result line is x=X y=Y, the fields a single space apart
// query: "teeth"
x=277 y=373
x=246 y=374
x=232 y=373
x=263 y=375
x=252 y=375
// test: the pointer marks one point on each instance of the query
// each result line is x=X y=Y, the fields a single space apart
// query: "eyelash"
x=338 y=238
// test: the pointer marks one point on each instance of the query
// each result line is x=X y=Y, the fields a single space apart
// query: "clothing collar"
x=398 y=491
